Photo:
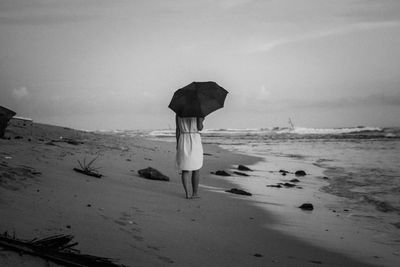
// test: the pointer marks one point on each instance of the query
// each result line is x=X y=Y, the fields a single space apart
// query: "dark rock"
x=307 y=206
x=68 y=226
x=18 y=137
x=238 y=192
x=316 y=262
x=346 y=210
x=288 y=185
x=275 y=185
x=325 y=178
x=244 y=168
x=128 y=160
x=207 y=154
x=300 y=173
x=222 y=173
x=294 y=180
x=283 y=171
x=258 y=255
x=240 y=173
x=152 y=174
x=5 y=116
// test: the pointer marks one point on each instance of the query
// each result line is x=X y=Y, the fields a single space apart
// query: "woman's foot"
x=195 y=196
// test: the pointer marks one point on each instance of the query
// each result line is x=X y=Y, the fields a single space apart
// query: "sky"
x=115 y=64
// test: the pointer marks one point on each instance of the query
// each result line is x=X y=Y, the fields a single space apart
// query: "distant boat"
x=291 y=125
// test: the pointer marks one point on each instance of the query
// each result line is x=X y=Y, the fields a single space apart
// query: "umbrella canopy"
x=198 y=99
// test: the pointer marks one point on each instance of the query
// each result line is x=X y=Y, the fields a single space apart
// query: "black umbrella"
x=198 y=99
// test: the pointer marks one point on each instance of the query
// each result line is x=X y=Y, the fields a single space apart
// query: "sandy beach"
x=138 y=222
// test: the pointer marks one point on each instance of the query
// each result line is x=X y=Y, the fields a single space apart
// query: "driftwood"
x=57 y=248
x=90 y=173
x=88 y=169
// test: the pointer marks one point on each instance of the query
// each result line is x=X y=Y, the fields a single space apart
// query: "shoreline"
x=331 y=224
x=138 y=221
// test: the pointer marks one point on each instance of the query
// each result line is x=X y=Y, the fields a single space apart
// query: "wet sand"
x=140 y=222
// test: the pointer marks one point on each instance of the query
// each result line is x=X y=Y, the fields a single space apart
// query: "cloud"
x=351 y=28
x=20 y=92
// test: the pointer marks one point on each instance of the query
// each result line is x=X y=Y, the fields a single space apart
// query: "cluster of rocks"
x=241 y=168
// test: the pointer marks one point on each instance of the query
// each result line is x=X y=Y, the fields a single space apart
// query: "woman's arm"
x=200 y=123
x=177 y=131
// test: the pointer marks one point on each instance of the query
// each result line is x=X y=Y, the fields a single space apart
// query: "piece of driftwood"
x=88 y=169
x=57 y=248
x=90 y=173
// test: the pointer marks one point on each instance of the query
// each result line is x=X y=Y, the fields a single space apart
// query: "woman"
x=189 y=156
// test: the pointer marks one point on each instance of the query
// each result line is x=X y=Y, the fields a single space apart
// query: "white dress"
x=189 y=154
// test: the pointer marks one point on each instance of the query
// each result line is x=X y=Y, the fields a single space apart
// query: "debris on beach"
x=238 y=192
x=280 y=185
x=56 y=248
x=88 y=169
x=221 y=173
x=284 y=172
x=152 y=174
x=294 y=180
x=275 y=185
x=300 y=173
x=306 y=206
x=288 y=185
x=244 y=168
x=241 y=173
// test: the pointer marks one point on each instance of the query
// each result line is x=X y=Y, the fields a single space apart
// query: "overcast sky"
x=106 y=64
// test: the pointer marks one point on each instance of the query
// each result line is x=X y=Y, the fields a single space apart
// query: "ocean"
x=363 y=163
x=355 y=170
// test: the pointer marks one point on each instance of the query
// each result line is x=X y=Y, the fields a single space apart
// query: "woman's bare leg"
x=185 y=182
x=195 y=182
